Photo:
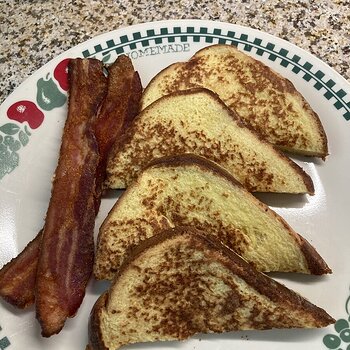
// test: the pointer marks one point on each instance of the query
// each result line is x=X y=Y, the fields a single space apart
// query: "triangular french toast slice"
x=182 y=282
x=264 y=99
x=191 y=190
x=197 y=121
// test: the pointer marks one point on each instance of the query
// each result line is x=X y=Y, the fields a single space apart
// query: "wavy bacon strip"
x=17 y=278
x=120 y=106
x=67 y=244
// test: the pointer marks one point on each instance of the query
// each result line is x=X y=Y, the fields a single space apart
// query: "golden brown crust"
x=94 y=327
x=191 y=159
x=316 y=264
x=312 y=261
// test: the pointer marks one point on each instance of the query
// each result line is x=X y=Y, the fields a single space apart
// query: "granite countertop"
x=32 y=33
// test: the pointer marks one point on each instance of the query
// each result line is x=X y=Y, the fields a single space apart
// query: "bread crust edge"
x=94 y=329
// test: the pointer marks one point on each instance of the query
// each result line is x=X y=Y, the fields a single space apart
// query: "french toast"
x=180 y=283
x=264 y=99
x=191 y=190
x=197 y=121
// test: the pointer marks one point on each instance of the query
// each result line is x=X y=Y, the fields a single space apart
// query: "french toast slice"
x=180 y=283
x=191 y=190
x=197 y=121
x=264 y=99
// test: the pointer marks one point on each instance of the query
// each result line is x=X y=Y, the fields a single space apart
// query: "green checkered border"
x=319 y=79
x=4 y=342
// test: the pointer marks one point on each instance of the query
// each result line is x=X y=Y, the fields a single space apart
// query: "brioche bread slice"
x=180 y=283
x=197 y=121
x=191 y=190
x=263 y=98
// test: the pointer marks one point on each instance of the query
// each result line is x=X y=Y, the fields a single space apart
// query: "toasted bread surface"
x=191 y=190
x=181 y=282
x=262 y=97
x=197 y=121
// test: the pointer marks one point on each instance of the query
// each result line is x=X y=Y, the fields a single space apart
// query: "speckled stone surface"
x=34 y=32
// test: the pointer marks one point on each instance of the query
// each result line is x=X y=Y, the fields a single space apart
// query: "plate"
x=29 y=149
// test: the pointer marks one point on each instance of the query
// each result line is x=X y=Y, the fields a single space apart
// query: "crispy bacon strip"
x=67 y=244
x=120 y=106
x=17 y=277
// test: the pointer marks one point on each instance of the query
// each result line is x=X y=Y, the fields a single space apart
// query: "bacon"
x=17 y=277
x=120 y=106
x=20 y=291
x=67 y=245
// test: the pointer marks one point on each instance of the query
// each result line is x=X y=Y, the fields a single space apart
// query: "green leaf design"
x=8 y=162
x=106 y=58
x=15 y=146
x=3 y=149
x=27 y=131
x=10 y=129
x=9 y=140
x=9 y=147
x=23 y=137
x=331 y=341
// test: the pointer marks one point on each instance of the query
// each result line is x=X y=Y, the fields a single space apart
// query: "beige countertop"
x=34 y=32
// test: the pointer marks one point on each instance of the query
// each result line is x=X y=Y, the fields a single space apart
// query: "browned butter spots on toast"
x=262 y=98
x=163 y=197
x=145 y=141
x=186 y=283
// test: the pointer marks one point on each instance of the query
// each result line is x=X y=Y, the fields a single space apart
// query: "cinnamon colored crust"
x=190 y=159
x=310 y=189
x=305 y=177
x=187 y=189
x=316 y=264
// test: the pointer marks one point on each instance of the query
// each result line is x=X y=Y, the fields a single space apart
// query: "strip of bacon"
x=17 y=277
x=67 y=244
x=119 y=107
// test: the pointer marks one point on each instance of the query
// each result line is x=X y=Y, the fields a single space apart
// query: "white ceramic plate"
x=28 y=157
